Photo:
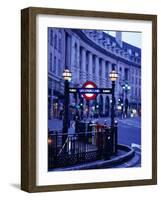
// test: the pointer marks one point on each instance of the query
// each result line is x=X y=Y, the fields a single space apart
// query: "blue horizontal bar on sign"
x=91 y=90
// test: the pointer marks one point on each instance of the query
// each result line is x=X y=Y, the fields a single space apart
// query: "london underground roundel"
x=89 y=96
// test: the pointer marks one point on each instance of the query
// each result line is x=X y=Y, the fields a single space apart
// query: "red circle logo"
x=89 y=84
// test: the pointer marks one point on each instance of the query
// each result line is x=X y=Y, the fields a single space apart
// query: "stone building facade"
x=90 y=55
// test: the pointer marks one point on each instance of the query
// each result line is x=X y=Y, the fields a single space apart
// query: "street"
x=129 y=129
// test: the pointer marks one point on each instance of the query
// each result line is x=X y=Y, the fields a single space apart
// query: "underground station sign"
x=90 y=91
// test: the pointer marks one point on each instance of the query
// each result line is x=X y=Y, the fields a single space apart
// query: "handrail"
x=63 y=146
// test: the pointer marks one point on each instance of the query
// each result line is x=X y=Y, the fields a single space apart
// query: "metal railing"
x=79 y=148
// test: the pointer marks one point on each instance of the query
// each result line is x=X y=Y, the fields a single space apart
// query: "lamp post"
x=113 y=77
x=67 y=76
x=126 y=87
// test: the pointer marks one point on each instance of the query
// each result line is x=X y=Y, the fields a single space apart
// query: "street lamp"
x=113 y=77
x=67 y=76
x=126 y=87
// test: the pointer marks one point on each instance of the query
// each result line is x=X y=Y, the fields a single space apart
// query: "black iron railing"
x=79 y=148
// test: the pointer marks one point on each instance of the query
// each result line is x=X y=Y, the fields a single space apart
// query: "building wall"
x=91 y=55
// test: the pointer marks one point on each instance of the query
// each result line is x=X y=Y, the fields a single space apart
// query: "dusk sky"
x=133 y=38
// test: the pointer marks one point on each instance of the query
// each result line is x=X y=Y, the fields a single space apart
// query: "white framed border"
x=43 y=177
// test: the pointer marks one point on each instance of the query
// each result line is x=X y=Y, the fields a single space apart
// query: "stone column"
x=83 y=67
x=109 y=69
x=104 y=75
x=73 y=45
x=68 y=52
x=77 y=65
x=90 y=65
x=118 y=80
x=97 y=71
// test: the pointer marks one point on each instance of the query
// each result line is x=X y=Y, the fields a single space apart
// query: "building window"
x=139 y=92
x=126 y=74
x=51 y=37
x=113 y=66
x=130 y=51
x=80 y=63
x=136 y=92
x=59 y=45
x=49 y=82
x=87 y=62
x=132 y=71
x=68 y=51
x=136 y=81
x=50 y=63
x=136 y=72
x=136 y=54
x=54 y=67
x=94 y=65
x=49 y=91
x=75 y=54
x=139 y=81
x=132 y=91
x=106 y=70
x=55 y=41
x=100 y=68
x=59 y=68
x=132 y=79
